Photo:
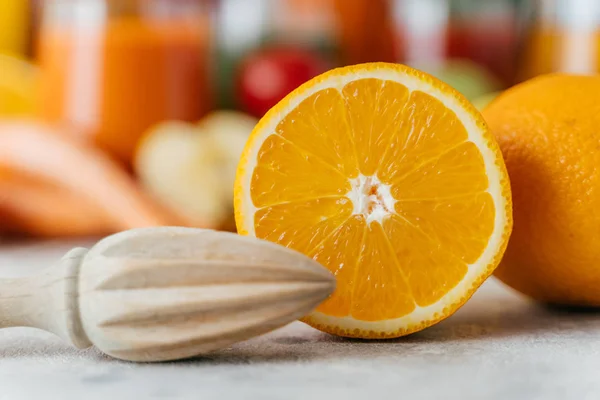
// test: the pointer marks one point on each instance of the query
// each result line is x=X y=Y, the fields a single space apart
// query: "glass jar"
x=430 y=33
x=562 y=36
x=110 y=69
x=365 y=31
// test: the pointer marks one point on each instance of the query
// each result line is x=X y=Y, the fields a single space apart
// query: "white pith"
x=475 y=270
x=374 y=207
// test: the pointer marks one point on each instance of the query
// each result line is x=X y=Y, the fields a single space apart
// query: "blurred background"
x=117 y=114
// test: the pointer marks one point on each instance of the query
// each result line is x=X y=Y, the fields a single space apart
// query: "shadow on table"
x=32 y=343
x=494 y=314
x=499 y=316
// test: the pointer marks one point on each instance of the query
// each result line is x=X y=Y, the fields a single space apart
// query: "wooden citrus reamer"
x=166 y=293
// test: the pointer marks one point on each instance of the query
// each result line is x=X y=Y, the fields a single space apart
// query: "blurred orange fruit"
x=390 y=179
x=548 y=130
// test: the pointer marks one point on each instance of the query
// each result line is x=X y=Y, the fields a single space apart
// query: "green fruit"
x=469 y=78
x=482 y=101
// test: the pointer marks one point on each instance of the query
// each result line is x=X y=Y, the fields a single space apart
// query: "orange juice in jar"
x=113 y=68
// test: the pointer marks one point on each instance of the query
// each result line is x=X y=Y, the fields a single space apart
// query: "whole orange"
x=548 y=129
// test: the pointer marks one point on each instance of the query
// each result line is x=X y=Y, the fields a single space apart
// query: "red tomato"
x=267 y=76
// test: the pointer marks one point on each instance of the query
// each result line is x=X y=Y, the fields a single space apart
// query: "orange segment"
x=319 y=125
x=389 y=179
x=383 y=293
x=285 y=173
x=307 y=223
x=459 y=171
x=366 y=98
x=429 y=268
x=343 y=264
x=429 y=129
x=462 y=225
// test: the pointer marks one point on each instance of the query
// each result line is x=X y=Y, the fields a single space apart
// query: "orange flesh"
x=388 y=258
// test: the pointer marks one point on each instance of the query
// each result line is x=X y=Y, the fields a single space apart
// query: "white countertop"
x=498 y=346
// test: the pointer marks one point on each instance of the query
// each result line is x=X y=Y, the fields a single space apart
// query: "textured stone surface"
x=499 y=346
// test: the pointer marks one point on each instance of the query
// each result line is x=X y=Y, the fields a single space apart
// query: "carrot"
x=38 y=208
x=37 y=150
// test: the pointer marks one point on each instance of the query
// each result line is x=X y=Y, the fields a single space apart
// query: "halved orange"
x=390 y=179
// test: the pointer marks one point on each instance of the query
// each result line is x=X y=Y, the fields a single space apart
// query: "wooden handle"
x=47 y=301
